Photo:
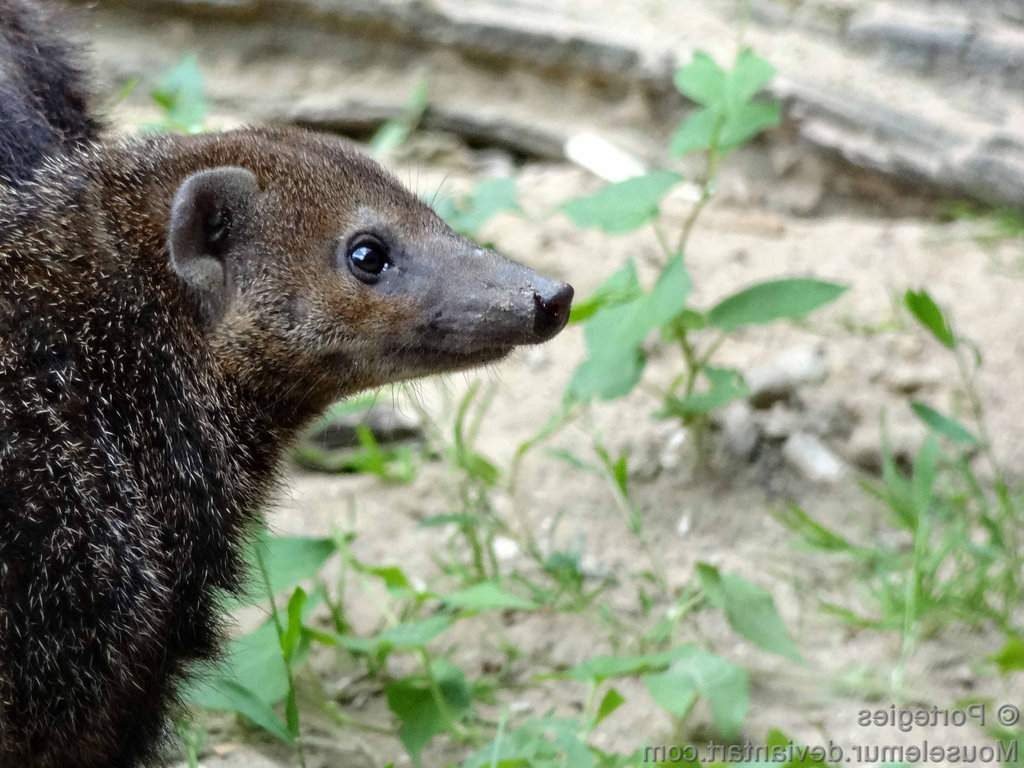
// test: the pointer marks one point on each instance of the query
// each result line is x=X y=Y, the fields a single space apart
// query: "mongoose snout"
x=552 y=303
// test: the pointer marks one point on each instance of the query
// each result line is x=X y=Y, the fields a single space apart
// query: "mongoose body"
x=172 y=311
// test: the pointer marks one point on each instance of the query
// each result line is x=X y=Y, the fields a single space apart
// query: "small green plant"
x=394 y=133
x=993 y=225
x=958 y=557
x=181 y=97
x=467 y=214
x=621 y=315
x=397 y=463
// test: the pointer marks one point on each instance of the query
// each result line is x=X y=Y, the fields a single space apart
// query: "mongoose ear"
x=206 y=207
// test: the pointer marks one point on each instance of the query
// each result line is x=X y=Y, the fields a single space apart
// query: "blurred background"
x=769 y=478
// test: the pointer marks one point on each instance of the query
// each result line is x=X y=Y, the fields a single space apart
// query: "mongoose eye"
x=368 y=259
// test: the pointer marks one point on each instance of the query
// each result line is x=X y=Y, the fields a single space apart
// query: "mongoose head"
x=313 y=269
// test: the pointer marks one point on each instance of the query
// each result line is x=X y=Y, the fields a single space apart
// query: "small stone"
x=505 y=548
x=832 y=419
x=785 y=158
x=781 y=378
x=780 y=422
x=803 y=189
x=494 y=164
x=671 y=455
x=865 y=446
x=801 y=197
x=684 y=525
x=740 y=432
x=520 y=707
x=388 y=425
x=910 y=379
x=812 y=458
x=602 y=158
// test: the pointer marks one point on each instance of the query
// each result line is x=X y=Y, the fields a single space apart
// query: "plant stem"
x=662 y=240
x=438 y=695
x=707 y=188
x=262 y=565
x=1007 y=507
x=335 y=712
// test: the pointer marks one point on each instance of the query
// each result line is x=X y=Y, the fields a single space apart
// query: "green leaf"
x=747 y=122
x=944 y=425
x=750 y=610
x=232 y=696
x=626 y=326
x=607 y=376
x=487 y=596
x=394 y=578
x=415 y=634
x=601 y=668
x=479 y=467
x=611 y=701
x=614 y=336
x=702 y=80
x=291 y=711
x=672 y=693
x=181 y=95
x=396 y=132
x=289 y=560
x=293 y=630
x=726 y=385
x=490 y=197
x=749 y=75
x=623 y=286
x=625 y=206
x=666 y=300
x=692 y=320
x=924 y=309
x=410 y=636
x=763 y=303
x=1011 y=657
x=812 y=532
x=723 y=685
x=728 y=117
x=925 y=471
x=413 y=703
x=781 y=747
x=254 y=656
x=696 y=133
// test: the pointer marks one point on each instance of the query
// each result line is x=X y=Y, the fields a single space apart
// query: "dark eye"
x=368 y=259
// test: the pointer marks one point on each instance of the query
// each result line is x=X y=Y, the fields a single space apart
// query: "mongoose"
x=172 y=311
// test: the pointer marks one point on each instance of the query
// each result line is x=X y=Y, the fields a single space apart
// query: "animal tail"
x=44 y=98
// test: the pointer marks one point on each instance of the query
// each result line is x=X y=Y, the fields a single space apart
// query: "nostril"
x=552 y=310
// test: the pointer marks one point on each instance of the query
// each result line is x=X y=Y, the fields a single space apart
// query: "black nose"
x=552 y=306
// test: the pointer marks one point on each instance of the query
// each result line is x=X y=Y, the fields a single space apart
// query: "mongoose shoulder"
x=172 y=311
